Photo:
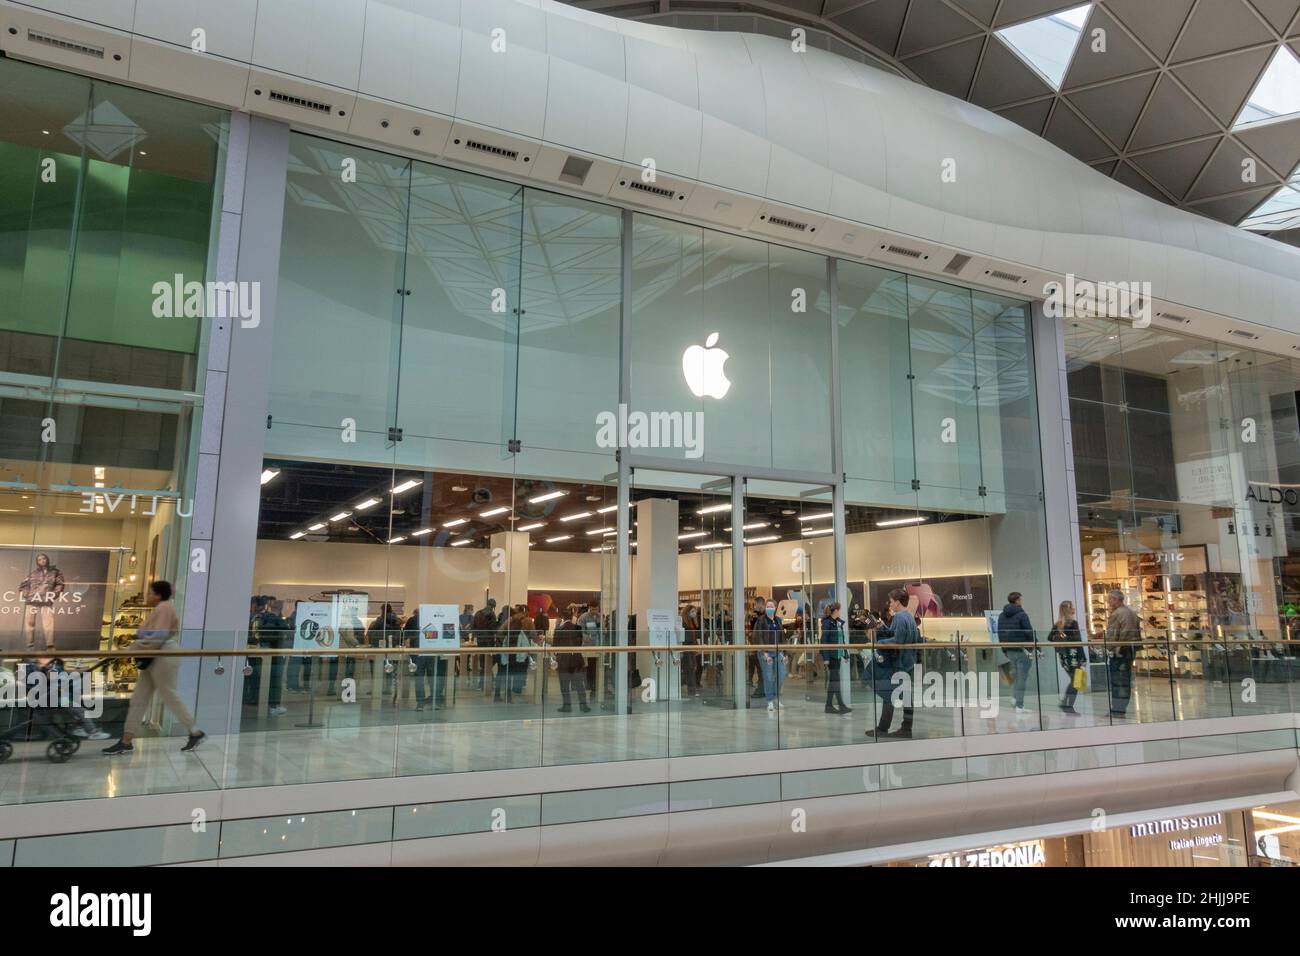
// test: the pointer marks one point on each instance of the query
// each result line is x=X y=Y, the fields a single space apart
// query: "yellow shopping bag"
x=1080 y=679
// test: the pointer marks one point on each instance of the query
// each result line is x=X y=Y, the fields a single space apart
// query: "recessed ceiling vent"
x=480 y=147
x=1242 y=334
x=575 y=170
x=903 y=251
x=660 y=191
x=1004 y=276
x=1174 y=317
x=956 y=264
x=62 y=43
x=303 y=104
x=784 y=223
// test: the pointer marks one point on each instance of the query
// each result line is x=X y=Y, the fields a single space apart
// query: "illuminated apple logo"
x=703 y=367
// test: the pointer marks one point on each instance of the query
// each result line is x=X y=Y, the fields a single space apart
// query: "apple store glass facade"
x=1186 y=459
x=448 y=345
x=104 y=191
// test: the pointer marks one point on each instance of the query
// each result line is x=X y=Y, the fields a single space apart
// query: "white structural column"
x=235 y=408
x=1060 y=504
x=656 y=583
x=508 y=578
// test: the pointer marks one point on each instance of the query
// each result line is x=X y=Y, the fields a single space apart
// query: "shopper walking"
x=1014 y=628
x=158 y=632
x=1073 y=659
x=1123 y=630
x=901 y=631
x=833 y=633
x=767 y=633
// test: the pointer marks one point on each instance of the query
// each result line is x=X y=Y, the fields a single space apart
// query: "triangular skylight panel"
x=1279 y=211
x=1278 y=91
x=1047 y=44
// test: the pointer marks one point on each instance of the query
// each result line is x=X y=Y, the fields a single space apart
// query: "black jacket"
x=1014 y=627
x=832 y=633
x=568 y=634
x=1071 y=658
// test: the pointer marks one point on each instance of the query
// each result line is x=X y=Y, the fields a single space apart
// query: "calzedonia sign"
x=1029 y=853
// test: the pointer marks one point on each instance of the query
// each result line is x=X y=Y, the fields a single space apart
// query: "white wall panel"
x=601 y=127
x=227 y=24
x=503 y=90
x=318 y=40
x=411 y=57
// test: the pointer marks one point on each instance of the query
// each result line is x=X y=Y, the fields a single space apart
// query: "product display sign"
x=52 y=597
x=964 y=596
x=662 y=626
x=313 y=627
x=439 y=625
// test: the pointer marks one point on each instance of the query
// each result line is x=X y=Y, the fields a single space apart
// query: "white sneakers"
x=278 y=711
x=771 y=709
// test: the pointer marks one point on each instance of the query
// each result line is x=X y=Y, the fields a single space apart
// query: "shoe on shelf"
x=119 y=749
x=192 y=741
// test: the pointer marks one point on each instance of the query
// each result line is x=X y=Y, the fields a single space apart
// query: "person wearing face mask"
x=753 y=672
x=833 y=633
x=767 y=634
x=691 y=661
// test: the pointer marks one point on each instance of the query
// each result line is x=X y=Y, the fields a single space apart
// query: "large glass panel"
x=459 y=340
x=945 y=415
x=875 y=388
x=682 y=596
x=569 y=329
x=145 y=219
x=735 y=330
x=340 y=298
x=42 y=119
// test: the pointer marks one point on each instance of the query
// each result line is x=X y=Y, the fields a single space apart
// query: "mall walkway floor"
x=455 y=741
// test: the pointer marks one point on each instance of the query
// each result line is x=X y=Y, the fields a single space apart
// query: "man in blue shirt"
x=902 y=631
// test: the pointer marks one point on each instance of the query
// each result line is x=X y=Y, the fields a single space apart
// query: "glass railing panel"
x=1079 y=758
x=312 y=831
x=1200 y=679
x=588 y=719
x=609 y=803
x=422 y=820
x=1147 y=697
x=724 y=792
x=60 y=712
x=834 y=782
x=1073 y=683
x=143 y=846
x=1147 y=751
x=922 y=773
x=1286 y=738
x=998 y=766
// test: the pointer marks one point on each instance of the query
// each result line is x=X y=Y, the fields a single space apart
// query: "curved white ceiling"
x=744 y=114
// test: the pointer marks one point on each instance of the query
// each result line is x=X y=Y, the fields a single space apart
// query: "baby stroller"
x=54 y=722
